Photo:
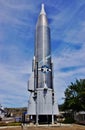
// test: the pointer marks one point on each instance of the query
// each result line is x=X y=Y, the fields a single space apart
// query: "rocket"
x=42 y=103
x=42 y=54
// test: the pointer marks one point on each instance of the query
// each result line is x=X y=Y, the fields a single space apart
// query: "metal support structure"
x=36 y=93
x=52 y=108
x=36 y=113
x=52 y=119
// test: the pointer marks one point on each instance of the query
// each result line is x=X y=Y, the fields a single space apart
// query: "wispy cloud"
x=69 y=22
x=13 y=84
x=76 y=35
x=69 y=65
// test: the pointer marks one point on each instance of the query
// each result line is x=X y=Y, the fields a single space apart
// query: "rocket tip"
x=42 y=5
x=42 y=9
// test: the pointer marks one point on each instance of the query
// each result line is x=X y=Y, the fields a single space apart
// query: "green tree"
x=75 y=96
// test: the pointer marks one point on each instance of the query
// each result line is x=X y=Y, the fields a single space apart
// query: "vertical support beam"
x=36 y=113
x=52 y=115
x=52 y=119
x=52 y=76
x=52 y=107
x=36 y=92
x=36 y=76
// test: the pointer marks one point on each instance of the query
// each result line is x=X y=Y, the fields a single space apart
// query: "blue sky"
x=17 y=36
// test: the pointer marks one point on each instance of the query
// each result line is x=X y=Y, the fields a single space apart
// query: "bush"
x=3 y=124
x=69 y=120
x=0 y=119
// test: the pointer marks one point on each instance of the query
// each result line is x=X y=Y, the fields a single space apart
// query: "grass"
x=10 y=124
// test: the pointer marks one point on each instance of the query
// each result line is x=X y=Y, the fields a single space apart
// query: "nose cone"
x=42 y=20
x=42 y=10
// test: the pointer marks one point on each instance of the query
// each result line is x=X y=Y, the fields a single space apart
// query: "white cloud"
x=67 y=25
x=15 y=13
x=13 y=84
x=76 y=35
x=67 y=59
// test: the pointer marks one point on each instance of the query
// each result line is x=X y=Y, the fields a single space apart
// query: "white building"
x=80 y=117
x=2 y=112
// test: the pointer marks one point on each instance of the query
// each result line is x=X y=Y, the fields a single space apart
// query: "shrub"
x=69 y=120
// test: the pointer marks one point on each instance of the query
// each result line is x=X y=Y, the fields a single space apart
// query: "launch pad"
x=42 y=107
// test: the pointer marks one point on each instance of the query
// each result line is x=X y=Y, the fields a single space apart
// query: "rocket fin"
x=31 y=105
x=55 y=106
x=31 y=82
